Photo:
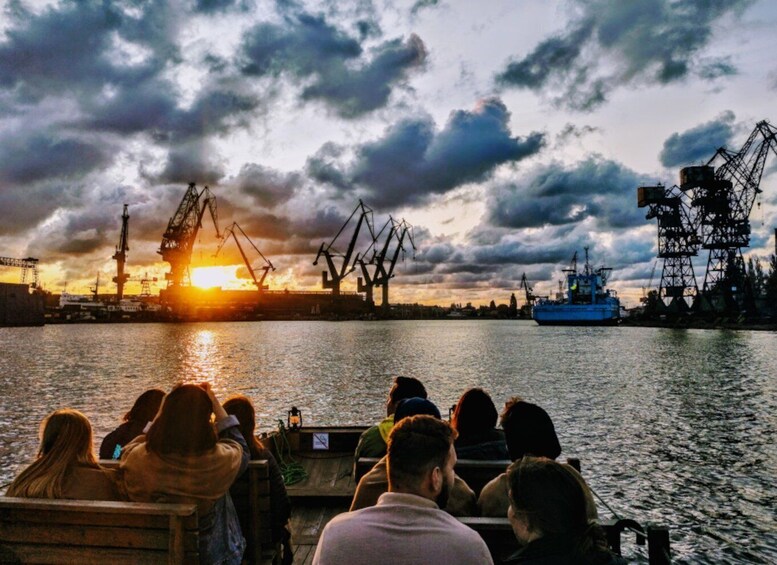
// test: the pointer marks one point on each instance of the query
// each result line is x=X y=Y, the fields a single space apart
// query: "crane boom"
x=26 y=265
x=231 y=231
x=178 y=239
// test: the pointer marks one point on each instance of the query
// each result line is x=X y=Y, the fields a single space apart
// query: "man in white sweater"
x=407 y=525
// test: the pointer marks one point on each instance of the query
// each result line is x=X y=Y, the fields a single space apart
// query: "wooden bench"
x=259 y=546
x=92 y=532
x=474 y=472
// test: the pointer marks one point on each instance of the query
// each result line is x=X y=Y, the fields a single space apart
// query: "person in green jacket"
x=372 y=442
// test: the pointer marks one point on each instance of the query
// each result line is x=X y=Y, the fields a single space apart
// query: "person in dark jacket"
x=474 y=418
x=549 y=516
x=280 y=508
x=142 y=412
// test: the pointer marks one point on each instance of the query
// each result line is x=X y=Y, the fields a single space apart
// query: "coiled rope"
x=292 y=471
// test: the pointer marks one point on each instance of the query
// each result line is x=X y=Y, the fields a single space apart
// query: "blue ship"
x=587 y=303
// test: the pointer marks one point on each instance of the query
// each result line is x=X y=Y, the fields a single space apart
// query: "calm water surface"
x=672 y=426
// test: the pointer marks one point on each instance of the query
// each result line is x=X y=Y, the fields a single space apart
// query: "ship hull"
x=576 y=314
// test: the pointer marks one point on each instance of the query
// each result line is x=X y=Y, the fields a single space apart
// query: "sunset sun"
x=210 y=277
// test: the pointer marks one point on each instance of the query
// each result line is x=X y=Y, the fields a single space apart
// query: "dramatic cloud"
x=613 y=43
x=192 y=162
x=267 y=187
x=595 y=188
x=412 y=161
x=698 y=144
x=331 y=64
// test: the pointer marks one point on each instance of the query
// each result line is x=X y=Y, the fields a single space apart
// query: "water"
x=672 y=426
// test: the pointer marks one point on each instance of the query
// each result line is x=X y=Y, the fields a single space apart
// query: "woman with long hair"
x=142 y=412
x=241 y=407
x=474 y=418
x=549 y=515
x=185 y=458
x=66 y=466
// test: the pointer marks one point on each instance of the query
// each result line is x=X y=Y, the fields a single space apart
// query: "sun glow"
x=210 y=277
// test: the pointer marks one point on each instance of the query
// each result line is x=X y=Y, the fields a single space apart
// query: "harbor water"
x=675 y=427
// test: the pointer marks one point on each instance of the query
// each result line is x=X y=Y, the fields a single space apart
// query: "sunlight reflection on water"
x=675 y=427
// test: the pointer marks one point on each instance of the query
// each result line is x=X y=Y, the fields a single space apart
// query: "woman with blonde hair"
x=66 y=466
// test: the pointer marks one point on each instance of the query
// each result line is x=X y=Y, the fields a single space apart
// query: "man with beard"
x=407 y=525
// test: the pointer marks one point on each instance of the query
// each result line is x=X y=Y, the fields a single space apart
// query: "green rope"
x=292 y=471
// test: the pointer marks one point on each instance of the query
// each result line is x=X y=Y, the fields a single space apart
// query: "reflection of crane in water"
x=178 y=239
x=268 y=266
x=329 y=252
x=30 y=264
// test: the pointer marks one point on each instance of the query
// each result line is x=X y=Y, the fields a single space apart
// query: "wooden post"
x=176 y=546
x=255 y=525
x=658 y=545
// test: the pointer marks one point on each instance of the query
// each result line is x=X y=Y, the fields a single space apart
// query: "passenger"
x=407 y=525
x=461 y=500
x=372 y=443
x=528 y=431
x=474 y=418
x=548 y=513
x=135 y=421
x=66 y=466
x=280 y=509
x=185 y=459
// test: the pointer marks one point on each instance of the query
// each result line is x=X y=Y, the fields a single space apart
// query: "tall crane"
x=724 y=198
x=366 y=282
x=121 y=256
x=267 y=267
x=528 y=296
x=383 y=275
x=178 y=239
x=27 y=265
x=678 y=241
x=329 y=252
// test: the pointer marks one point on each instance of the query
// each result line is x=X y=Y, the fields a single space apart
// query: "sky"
x=509 y=134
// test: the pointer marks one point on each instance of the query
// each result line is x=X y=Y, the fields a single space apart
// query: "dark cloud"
x=192 y=162
x=595 y=188
x=612 y=43
x=698 y=144
x=412 y=161
x=423 y=4
x=571 y=131
x=215 y=6
x=330 y=62
x=266 y=186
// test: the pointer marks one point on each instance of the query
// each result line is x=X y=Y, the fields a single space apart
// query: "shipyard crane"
x=145 y=283
x=267 y=267
x=678 y=241
x=724 y=198
x=121 y=256
x=383 y=275
x=178 y=239
x=27 y=265
x=366 y=282
x=646 y=289
x=529 y=297
x=364 y=216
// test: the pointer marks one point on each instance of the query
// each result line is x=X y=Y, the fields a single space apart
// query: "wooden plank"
x=122 y=508
x=303 y=554
x=53 y=515
x=26 y=553
x=176 y=541
x=92 y=536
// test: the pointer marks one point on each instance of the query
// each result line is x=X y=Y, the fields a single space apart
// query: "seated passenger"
x=475 y=420
x=135 y=421
x=528 y=431
x=372 y=442
x=66 y=466
x=548 y=513
x=407 y=525
x=280 y=509
x=184 y=458
x=461 y=500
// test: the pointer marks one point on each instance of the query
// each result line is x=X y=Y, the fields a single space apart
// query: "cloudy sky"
x=508 y=133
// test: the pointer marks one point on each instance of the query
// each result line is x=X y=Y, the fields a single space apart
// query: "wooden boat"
x=329 y=481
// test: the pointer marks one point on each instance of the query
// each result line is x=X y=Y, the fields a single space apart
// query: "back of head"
x=65 y=440
x=183 y=424
x=529 y=431
x=146 y=406
x=241 y=407
x=415 y=407
x=406 y=387
x=416 y=445
x=475 y=413
x=549 y=496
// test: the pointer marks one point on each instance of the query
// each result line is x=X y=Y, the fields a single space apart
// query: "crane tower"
x=121 y=256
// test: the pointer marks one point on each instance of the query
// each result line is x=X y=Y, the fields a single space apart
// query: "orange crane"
x=178 y=239
x=267 y=267
x=121 y=255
